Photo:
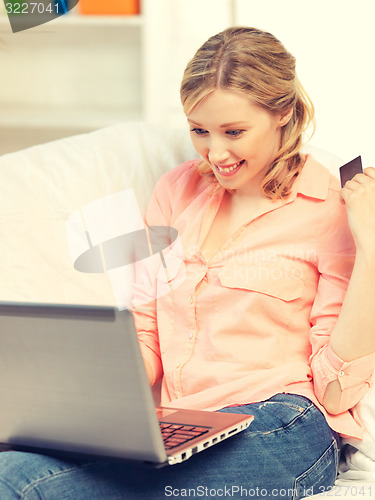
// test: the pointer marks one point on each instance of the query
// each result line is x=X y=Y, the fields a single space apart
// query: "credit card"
x=349 y=170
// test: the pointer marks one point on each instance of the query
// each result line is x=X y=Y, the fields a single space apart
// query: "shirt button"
x=190 y=335
x=341 y=373
x=191 y=300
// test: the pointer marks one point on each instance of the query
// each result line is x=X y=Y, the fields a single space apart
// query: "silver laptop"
x=73 y=382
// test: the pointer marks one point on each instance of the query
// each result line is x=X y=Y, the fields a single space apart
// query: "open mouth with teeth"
x=229 y=169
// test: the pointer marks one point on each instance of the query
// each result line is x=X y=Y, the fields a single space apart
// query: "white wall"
x=82 y=69
x=181 y=27
x=334 y=43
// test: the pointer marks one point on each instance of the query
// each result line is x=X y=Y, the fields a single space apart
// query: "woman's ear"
x=285 y=117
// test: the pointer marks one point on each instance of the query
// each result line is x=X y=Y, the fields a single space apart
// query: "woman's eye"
x=234 y=133
x=199 y=131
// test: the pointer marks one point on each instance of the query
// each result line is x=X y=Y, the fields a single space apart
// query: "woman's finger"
x=367 y=177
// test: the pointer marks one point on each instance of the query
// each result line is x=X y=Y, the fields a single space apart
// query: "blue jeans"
x=288 y=452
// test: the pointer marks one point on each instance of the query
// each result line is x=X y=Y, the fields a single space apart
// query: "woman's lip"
x=228 y=165
x=228 y=173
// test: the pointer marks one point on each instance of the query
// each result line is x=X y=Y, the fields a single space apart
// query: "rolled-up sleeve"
x=355 y=377
x=335 y=262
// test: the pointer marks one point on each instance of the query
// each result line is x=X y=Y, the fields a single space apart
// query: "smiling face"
x=237 y=138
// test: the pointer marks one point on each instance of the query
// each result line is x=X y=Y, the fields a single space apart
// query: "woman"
x=259 y=324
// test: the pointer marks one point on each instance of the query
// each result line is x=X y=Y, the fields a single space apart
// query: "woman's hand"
x=359 y=197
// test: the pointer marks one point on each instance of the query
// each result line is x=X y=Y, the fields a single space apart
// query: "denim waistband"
x=298 y=400
x=292 y=398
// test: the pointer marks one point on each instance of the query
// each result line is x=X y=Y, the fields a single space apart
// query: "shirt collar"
x=313 y=181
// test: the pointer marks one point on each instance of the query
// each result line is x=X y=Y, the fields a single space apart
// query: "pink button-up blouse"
x=256 y=319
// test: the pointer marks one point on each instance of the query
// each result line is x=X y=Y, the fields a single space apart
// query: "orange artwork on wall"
x=109 y=7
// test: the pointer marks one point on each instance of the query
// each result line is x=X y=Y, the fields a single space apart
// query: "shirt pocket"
x=267 y=289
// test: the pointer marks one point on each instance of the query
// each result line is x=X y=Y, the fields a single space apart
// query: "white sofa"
x=42 y=186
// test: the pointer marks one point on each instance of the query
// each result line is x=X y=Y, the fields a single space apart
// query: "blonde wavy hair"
x=254 y=62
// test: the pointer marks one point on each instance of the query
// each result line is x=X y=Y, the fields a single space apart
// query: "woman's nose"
x=218 y=153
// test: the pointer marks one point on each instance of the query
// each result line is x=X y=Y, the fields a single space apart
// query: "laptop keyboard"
x=177 y=434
